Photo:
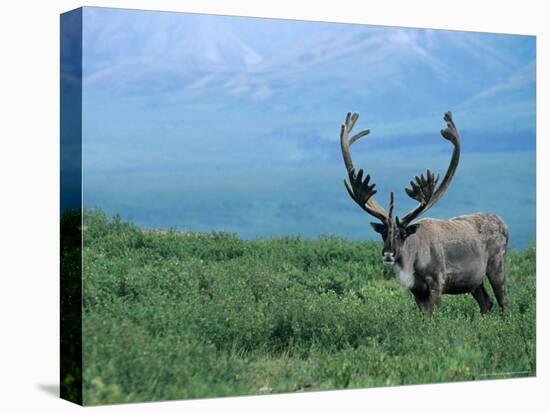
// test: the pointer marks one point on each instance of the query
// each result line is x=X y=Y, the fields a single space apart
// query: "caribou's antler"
x=359 y=189
x=422 y=188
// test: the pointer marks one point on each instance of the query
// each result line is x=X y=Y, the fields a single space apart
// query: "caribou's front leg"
x=424 y=304
x=436 y=288
x=428 y=294
x=422 y=296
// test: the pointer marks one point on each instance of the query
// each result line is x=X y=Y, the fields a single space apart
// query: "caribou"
x=432 y=257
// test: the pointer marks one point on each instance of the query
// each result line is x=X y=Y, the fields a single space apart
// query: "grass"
x=175 y=315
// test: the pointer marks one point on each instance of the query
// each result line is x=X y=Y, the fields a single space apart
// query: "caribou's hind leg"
x=497 y=278
x=495 y=264
x=483 y=299
x=498 y=282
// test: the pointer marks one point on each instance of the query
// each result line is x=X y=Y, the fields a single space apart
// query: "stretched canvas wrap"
x=209 y=246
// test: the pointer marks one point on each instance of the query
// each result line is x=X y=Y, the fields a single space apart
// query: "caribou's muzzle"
x=388 y=258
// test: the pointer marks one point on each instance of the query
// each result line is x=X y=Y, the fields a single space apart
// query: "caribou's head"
x=394 y=234
x=423 y=189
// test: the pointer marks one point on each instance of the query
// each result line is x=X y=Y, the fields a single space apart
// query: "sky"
x=231 y=99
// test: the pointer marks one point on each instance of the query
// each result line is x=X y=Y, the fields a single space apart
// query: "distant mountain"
x=163 y=88
x=385 y=70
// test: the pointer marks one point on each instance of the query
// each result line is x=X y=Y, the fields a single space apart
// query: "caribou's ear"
x=411 y=229
x=378 y=227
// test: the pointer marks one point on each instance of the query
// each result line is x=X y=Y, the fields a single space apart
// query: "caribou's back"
x=484 y=227
x=490 y=227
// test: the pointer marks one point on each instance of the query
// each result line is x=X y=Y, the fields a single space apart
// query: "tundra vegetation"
x=174 y=315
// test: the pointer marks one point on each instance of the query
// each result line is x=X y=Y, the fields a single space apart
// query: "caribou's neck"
x=404 y=267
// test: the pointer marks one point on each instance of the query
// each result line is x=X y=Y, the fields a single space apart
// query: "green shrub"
x=170 y=315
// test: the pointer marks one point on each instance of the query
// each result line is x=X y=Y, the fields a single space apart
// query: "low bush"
x=172 y=315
